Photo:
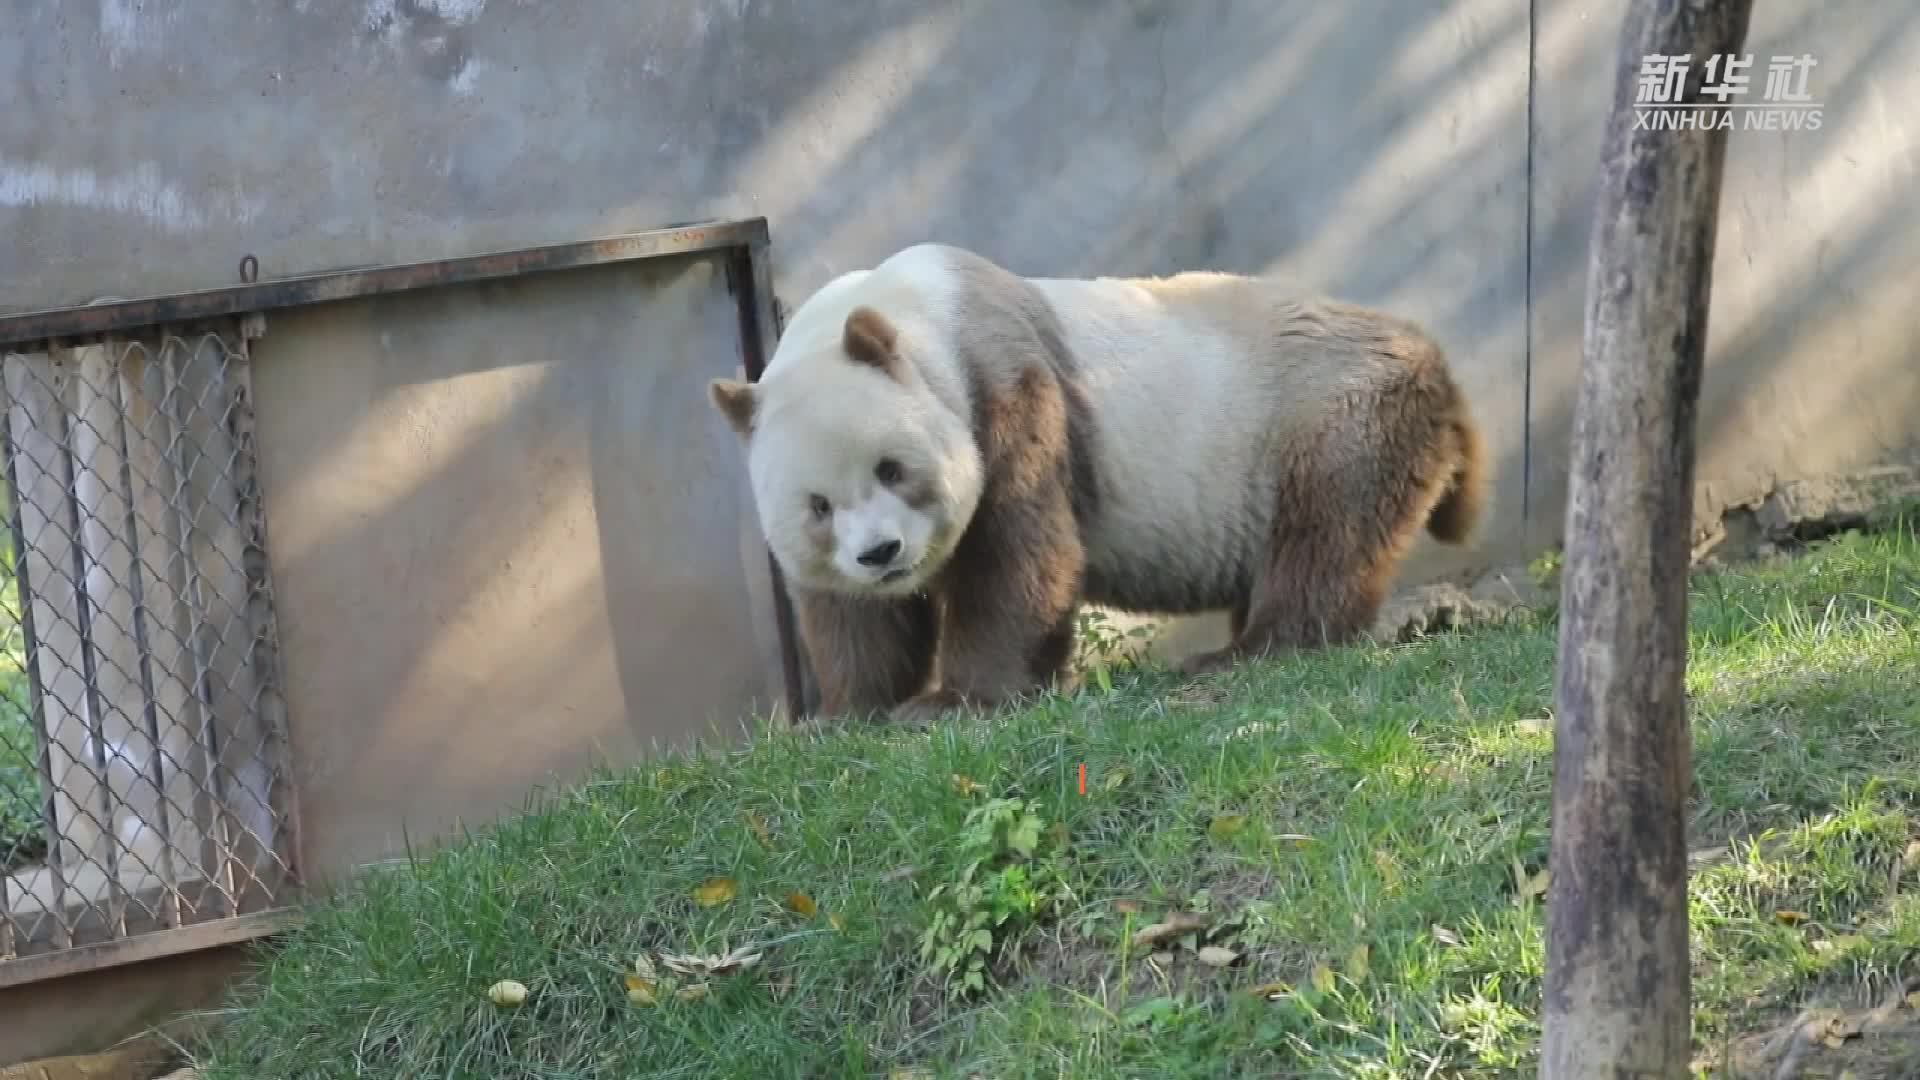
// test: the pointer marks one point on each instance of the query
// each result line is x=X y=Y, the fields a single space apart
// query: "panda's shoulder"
x=923 y=279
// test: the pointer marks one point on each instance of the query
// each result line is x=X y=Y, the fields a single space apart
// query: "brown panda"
x=948 y=459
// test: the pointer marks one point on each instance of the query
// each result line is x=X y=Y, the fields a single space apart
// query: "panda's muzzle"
x=880 y=554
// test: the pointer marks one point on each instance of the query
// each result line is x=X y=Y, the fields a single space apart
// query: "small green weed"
x=1009 y=876
x=1107 y=650
x=1544 y=568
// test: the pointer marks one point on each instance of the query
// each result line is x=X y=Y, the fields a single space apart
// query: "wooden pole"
x=1617 y=989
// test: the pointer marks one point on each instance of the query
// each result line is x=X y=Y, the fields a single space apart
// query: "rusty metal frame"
x=743 y=245
x=750 y=279
x=276 y=293
x=152 y=945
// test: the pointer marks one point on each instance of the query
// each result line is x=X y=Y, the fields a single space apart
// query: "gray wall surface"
x=1374 y=149
x=1813 y=359
x=501 y=458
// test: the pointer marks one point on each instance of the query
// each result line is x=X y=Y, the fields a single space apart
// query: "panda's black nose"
x=880 y=554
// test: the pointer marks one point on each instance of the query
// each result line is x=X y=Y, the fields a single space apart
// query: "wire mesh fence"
x=143 y=757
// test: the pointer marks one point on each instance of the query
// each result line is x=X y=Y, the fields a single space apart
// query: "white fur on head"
x=847 y=423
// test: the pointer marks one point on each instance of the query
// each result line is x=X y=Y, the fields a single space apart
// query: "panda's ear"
x=736 y=401
x=870 y=339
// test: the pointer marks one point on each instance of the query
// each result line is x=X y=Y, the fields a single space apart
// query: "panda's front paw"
x=921 y=710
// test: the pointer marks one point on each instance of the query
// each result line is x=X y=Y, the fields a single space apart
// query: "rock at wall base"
x=1803 y=510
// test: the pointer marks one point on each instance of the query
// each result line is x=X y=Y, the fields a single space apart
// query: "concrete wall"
x=504 y=543
x=467 y=491
x=1813 y=359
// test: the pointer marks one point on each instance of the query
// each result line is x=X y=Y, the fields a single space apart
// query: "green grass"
x=1357 y=827
x=21 y=837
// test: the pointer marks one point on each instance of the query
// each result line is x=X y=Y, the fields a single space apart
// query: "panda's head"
x=863 y=478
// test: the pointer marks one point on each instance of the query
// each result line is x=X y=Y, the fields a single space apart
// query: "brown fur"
x=869 y=339
x=1352 y=498
x=735 y=401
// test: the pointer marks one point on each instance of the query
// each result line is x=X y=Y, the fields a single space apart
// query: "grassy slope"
x=1418 y=777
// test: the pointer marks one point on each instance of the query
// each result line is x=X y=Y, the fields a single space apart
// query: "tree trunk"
x=1617 y=990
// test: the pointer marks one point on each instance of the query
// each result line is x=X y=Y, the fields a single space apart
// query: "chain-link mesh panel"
x=142 y=749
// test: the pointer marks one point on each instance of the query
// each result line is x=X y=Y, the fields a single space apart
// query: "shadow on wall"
x=501 y=553
x=1811 y=352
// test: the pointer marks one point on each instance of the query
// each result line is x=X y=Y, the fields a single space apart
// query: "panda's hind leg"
x=1340 y=535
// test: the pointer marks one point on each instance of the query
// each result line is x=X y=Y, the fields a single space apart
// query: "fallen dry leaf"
x=1216 y=956
x=640 y=990
x=1834 y=1042
x=964 y=785
x=1389 y=868
x=1269 y=990
x=1790 y=917
x=1820 y=945
x=1357 y=962
x=834 y=920
x=691 y=993
x=714 y=890
x=1323 y=978
x=759 y=827
x=1127 y=907
x=1226 y=825
x=1913 y=1001
x=1162 y=958
x=902 y=1072
x=801 y=904
x=1527 y=886
x=507 y=992
x=1445 y=936
x=1180 y=922
x=1114 y=778
x=710 y=964
x=1911 y=857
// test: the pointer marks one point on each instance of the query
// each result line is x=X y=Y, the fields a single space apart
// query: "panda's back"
x=1193 y=402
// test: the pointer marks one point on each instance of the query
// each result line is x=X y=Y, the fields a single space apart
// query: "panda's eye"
x=819 y=505
x=888 y=471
